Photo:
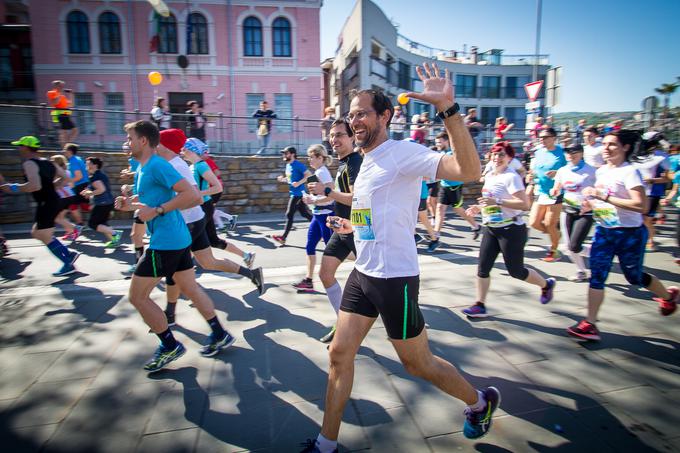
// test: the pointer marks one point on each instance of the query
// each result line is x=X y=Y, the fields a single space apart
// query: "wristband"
x=14 y=188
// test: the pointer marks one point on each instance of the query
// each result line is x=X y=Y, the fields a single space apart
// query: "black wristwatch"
x=327 y=191
x=455 y=108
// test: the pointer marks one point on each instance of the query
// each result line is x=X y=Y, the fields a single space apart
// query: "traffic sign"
x=535 y=105
x=532 y=89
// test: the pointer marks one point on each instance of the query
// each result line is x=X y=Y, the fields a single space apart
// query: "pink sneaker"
x=668 y=306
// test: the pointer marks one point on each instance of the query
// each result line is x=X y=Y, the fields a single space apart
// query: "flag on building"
x=156 y=33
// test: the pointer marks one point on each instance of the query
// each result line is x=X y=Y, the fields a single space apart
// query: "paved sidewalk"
x=72 y=349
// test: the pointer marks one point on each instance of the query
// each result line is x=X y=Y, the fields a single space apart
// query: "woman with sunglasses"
x=618 y=202
x=501 y=204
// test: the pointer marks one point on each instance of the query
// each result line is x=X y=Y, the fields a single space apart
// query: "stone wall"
x=250 y=184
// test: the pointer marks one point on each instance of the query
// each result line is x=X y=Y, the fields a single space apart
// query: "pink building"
x=238 y=53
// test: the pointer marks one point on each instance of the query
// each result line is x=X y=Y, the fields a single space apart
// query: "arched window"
x=167 y=34
x=197 y=34
x=77 y=30
x=109 y=33
x=252 y=37
x=281 y=37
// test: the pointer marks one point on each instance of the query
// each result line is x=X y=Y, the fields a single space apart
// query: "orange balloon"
x=402 y=98
x=155 y=78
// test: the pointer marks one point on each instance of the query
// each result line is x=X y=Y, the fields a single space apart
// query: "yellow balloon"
x=155 y=78
x=402 y=98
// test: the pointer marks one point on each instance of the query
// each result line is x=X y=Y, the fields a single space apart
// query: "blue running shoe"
x=478 y=310
x=162 y=357
x=547 y=292
x=215 y=345
x=477 y=424
x=66 y=269
x=433 y=245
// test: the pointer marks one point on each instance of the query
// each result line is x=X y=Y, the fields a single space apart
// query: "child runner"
x=99 y=192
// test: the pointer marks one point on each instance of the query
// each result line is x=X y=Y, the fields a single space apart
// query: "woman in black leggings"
x=575 y=223
x=501 y=204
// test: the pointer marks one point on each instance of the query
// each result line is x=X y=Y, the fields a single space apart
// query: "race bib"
x=605 y=214
x=362 y=219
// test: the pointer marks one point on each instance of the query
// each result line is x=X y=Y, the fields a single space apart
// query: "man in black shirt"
x=340 y=245
x=40 y=175
x=264 y=125
x=196 y=121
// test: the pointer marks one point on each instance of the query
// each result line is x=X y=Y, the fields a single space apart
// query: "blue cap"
x=196 y=146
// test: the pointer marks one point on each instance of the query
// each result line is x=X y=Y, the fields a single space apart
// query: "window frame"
x=285 y=35
x=167 y=35
x=78 y=33
x=252 y=37
x=199 y=32
x=114 y=37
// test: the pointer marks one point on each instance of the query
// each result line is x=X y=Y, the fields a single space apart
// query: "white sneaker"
x=579 y=277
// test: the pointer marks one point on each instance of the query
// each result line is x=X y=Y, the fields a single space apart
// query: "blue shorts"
x=626 y=243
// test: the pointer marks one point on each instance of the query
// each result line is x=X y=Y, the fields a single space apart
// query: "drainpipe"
x=133 y=56
x=232 y=85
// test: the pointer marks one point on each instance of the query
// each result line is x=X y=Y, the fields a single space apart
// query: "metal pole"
x=539 y=7
x=132 y=53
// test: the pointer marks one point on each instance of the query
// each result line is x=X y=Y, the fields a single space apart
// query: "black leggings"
x=209 y=209
x=295 y=203
x=576 y=227
x=510 y=241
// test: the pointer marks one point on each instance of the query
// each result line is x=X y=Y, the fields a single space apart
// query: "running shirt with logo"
x=543 y=162
x=592 y=154
x=75 y=163
x=199 y=169
x=348 y=170
x=653 y=166
x=502 y=186
x=448 y=182
x=573 y=180
x=617 y=181
x=195 y=213
x=106 y=197
x=295 y=171
x=385 y=206
x=154 y=187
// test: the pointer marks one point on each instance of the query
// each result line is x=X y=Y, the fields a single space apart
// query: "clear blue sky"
x=613 y=52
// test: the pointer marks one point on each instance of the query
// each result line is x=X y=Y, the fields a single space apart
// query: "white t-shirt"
x=196 y=213
x=573 y=181
x=503 y=186
x=324 y=178
x=617 y=181
x=593 y=155
x=385 y=207
x=650 y=165
x=514 y=164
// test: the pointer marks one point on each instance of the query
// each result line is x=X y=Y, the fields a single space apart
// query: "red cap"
x=173 y=139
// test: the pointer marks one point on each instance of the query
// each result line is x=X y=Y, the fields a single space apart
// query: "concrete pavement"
x=72 y=348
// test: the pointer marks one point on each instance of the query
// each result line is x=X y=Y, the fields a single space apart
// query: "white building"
x=372 y=54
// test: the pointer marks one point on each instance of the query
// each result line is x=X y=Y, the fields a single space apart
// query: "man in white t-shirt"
x=592 y=150
x=385 y=280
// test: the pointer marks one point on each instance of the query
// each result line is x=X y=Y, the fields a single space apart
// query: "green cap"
x=27 y=140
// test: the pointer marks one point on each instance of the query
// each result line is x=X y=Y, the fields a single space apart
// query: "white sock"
x=480 y=405
x=326 y=445
x=577 y=259
x=334 y=294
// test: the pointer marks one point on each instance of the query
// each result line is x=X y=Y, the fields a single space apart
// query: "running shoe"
x=280 y=239
x=68 y=236
x=579 y=277
x=258 y=280
x=115 y=240
x=668 y=306
x=4 y=249
x=418 y=238
x=329 y=336
x=476 y=232
x=311 y=447
x=477 y=424
x=130 y=270
x=478 y=310
x=66 y=269
x=162 y=357
x=171 y=319
x=547 y=292
x=433 y=245
x=650 y=247
x=249 y=259
x=232 y=222
x=552 y=256
x=585 y=331
x=304 y=285
x=77 y=229
x=215 y=345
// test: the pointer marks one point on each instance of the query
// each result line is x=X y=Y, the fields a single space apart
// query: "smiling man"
x=386 y=280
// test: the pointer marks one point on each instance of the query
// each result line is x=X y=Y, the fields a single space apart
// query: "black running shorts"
x=423 y=205
x=163 y=263
x=394 y=299
x=199 y=237
x=451 y=196
x=45 y=213
x=66 y=122
x=340 y=246
x=433 y=189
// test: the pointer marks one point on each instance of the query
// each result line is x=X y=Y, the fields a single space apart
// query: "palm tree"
x=667 y=89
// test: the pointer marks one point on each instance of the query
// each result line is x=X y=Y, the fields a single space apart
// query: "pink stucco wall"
x=224 y=86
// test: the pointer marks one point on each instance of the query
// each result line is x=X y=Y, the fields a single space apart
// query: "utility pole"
x=539 y=7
